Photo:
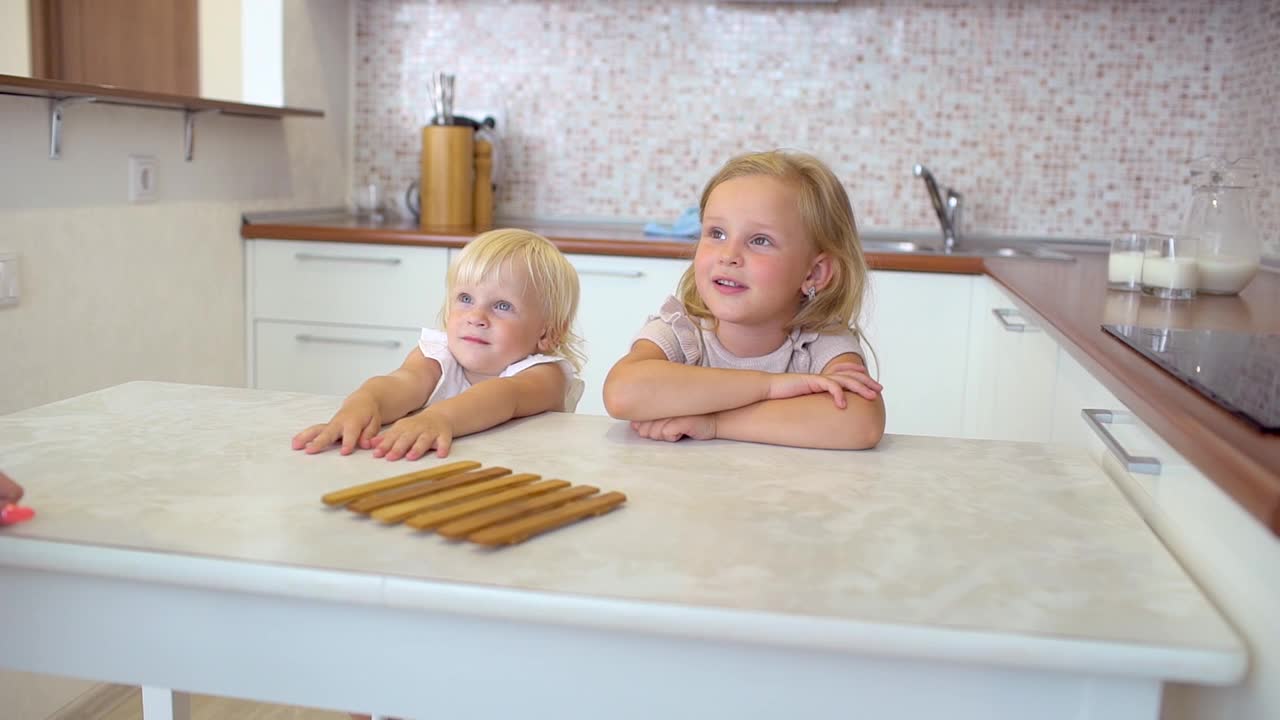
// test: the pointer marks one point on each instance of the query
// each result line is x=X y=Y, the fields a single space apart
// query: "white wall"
x=241 y=50
x=262 y=52
x=219 y=48
x=114 y=292
x=15 y=38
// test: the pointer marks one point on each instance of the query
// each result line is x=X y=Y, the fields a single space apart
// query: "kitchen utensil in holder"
x=488 y=506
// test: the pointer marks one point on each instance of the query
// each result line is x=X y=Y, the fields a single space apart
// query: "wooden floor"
x=204 y=707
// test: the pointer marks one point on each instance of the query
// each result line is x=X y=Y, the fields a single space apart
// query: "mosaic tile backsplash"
x=1053 y=118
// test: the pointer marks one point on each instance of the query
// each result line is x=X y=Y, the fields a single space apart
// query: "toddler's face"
x=754 y=253
x=495 y=322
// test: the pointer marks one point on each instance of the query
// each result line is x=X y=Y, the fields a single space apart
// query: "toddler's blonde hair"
x=553 y=278
x=828 y=219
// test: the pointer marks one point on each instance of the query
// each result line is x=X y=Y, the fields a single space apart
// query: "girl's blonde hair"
x=549 y=271
x=828 y=219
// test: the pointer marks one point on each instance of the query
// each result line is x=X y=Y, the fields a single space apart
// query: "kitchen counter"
x=180 y=506
x=1071 y=297
x=1074 y=301
x=584 y=238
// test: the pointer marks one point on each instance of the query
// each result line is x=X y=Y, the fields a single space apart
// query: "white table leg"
x=165 y=704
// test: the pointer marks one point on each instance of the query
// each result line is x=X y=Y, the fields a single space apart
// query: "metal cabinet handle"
x=612 y=273
x=308 y=338
x=1099 y=420
x=1003 y=315
x=347 y=258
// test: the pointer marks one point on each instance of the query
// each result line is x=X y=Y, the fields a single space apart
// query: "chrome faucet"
x=948 y=211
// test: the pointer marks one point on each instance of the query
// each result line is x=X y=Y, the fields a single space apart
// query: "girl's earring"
x=811 y=292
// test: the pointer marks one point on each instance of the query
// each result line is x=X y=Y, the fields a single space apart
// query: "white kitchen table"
x=181 y=544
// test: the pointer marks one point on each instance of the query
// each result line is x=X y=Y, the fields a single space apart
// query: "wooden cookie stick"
x=432 y=518
x=369 y=503
x=462 y=527
x=344 y=496
x=525 y=528
x=392 y=514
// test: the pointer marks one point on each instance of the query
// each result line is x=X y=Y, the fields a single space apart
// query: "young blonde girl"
x=507 y=351
x=759 y=342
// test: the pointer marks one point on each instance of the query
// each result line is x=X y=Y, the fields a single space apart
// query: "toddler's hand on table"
x=411 y=437
x=10 y=491
x=789 y=385
x=858 y=380
x=355 y=424
x=698 y=427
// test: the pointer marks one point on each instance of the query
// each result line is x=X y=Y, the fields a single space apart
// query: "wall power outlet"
x=142 y=178
x=9 y=291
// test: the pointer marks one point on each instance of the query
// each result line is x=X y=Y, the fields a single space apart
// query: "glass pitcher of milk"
x=1221 y=216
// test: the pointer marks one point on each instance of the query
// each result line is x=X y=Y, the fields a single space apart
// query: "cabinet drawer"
x=383 y=285
x=325 y=359
x=617 y=295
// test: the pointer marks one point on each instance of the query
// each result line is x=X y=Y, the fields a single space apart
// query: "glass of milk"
x=1169 y=268
x=1124 y=265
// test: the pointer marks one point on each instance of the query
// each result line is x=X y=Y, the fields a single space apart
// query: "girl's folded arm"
x=810 y=420
x=538 y=389
x=645 y=385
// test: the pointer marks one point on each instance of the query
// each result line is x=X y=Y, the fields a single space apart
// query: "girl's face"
x=496 y=321
x=754 y=254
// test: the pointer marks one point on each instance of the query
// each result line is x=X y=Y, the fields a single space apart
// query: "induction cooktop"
x=1239 y=371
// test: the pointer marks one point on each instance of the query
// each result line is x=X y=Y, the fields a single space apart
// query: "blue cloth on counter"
x=687 y=225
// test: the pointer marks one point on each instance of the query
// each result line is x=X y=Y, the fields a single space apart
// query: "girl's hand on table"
x=10 y=494
x=411 y=437
x=10 y=491
x=354 y=425
x=698 y=427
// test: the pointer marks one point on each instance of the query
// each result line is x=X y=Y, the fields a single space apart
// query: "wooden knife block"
x=448 y=176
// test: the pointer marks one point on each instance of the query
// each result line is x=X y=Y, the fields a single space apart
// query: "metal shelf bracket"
x=189 y=130
x=55 y=122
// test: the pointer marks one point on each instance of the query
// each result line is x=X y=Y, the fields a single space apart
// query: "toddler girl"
x=759 y=343
x=507 y=351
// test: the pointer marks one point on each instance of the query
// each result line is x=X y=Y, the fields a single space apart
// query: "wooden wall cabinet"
x=149 y=45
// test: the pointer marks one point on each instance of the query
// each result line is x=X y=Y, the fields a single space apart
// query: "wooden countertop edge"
x=570 y=243
x=1178 y=413
x=1171 y=408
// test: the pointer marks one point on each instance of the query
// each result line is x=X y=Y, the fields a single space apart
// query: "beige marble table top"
x=994 y=539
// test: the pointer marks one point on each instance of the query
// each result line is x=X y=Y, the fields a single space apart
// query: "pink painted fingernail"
x=11 y=514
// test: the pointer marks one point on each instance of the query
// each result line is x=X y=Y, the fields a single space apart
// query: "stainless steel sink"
x=965 y=249
x=891 y=246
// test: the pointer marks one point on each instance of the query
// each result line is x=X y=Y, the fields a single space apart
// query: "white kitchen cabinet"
x=348 y=283
x=1012 y=370
x=617 y=295
x=326 y=359
x=323 y=317
x=917 y=325
x=1234 y=558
